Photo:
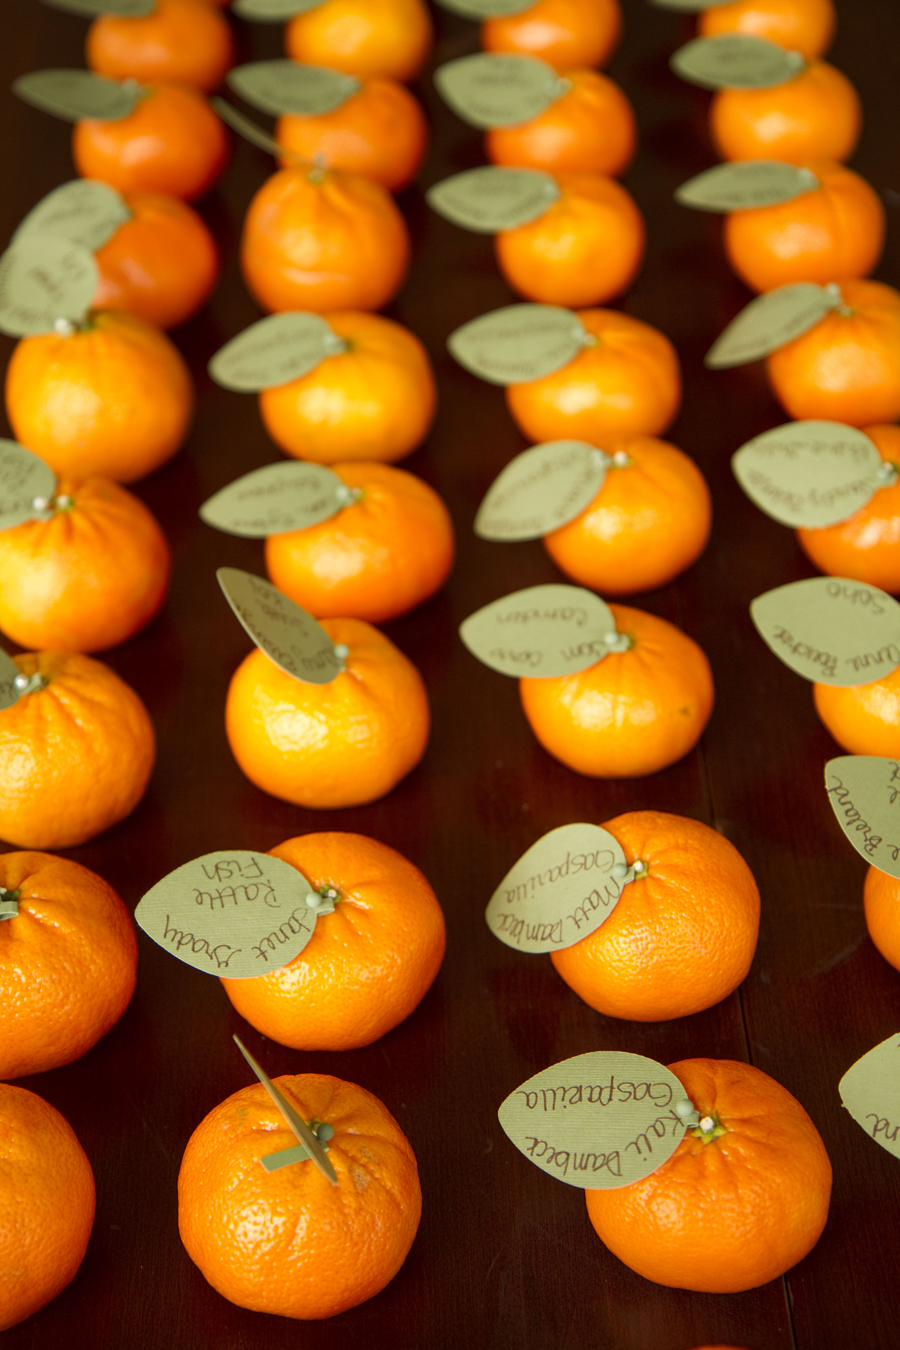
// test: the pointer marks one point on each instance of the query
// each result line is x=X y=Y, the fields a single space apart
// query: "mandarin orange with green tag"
x=815 y=115
x=804 y=26
x=362 y=37
x=591 y=128
x=564 y=33
x=185 y=42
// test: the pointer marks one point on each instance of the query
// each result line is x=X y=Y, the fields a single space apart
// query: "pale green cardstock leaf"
x=277 y=499
x=238 y=913
x=870 y=1090
x=45 y=279
x=736 y=61
x=283 y=86
x=519 y=343
x=274 y=351
x=83 y=211
x=543 y=631
x=27 y=484
x=492 y=198
x=560 y=891
x=598 y=1121
x=542 y=488
x=810 y=474
x=76 y=94
x=864 y=791
x=689 y=6
x=129 y=9
x=273 y=11
x=287 y=635
x=485 y=9
x=301 y=1131
x=499 y=89
x=770 y=321
x=831 y=630
x=9 y=673
x=746 y=184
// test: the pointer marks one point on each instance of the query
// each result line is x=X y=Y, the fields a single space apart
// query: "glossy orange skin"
x=585 y=249
x=591 y=129
x=115 y=398
x=322 y=241
x=327 y=745
x=75 y=756
x=173 y=143
x=366 y=966
x=564 y=33
x=88 y=578
x=627 y=384
x=847 y=367
x=649 y=521
x=363 y=37
x=865 y=718
x=379 y=132
x=68 y=963
x=180 y=42
x=162 y=264
x=881 y=898
x=835 y=231
x=47 y=1199
x=359 y=1231
x=804 y=26
x=374 y=401
x=817 y=115
x=732 y=1213
x=682 y=935
x=634 y=712
x=867 y=546
x=379 y=557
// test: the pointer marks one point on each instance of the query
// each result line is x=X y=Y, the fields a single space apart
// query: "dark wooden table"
x=505 y=1257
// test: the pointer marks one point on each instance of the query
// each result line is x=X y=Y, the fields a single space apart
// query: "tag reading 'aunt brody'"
x=543 y=631
x=492 y=198
x=870 y=1091
x=772 y=320
x=831 y=630
x=541 y=489
x=560 y=891
x=864 y=792
x=75 y=94
x=811 y=474
x=287 y=635
x=599 y=1121
x=519 y=343
x=736 y=61
x=239 y=914
x=277 y=499
x=83 y=211
x=746 y=184
x=274 y=351
x=499 y=89
x=45 y=279
x=283 y=86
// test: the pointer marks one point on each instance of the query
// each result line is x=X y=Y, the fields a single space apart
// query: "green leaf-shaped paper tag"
x=772 y=320
x=542 y=631
x=45 y=279
x=560 y=891
x=27 y=484
x=519 y=343
x=870 y=1090
x=283 y=86
x=689 y=6
x=238 y=913
x=864 y=791
x=274 y=351
x=287 y=635
x=129 y=9
x=277 y=499
x=831 y=630
x=542 y=488
x=485 y=9
x=9 y=673
x=746 y=184
x=83 y=211
x=499 y=89
x=598 y=1121
x=273 y=11
x=492 y=198
x=810 y=474
x=76 y=94
x=736 y=61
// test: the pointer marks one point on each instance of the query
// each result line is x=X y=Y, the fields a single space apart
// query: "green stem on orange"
x=9 y=903
x=31 y=684
x=709 y=1128
x=323 y=900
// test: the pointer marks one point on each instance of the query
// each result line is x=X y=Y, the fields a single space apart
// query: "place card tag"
x=772 y=320
x=560 y=891
x=499 y=89
x=273 y=11
x=519 y=343
x=599 y=1121
x=310 y=1141
x=736 y=61
x=10 y=692
x=746 y=184
x=276 y=499
x=541 y=489
x=543 y=631
x=492 y=198
x=864 y=792
x=76 y=94
x=689 y=6
x=83 y=211
x=283 y=86
x=831 y=630
x=238 y=914
x=485 y=9
x=811 y=474
x=274 y=351
x=45 y=283
x=128 y=9
x=27 y=485
x=870 y=1091
x=287 y=635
